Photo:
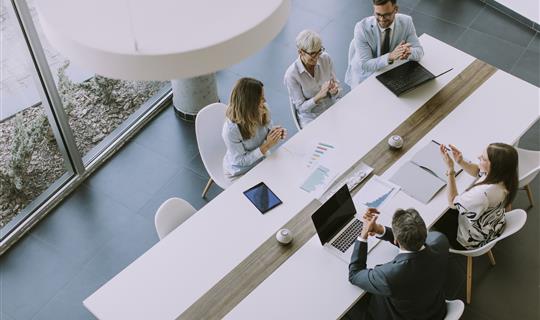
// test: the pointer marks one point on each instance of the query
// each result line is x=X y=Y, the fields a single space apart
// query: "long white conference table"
x=311 y=284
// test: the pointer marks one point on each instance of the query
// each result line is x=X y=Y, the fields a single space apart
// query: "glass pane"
x=30 y=161
x=97 y=107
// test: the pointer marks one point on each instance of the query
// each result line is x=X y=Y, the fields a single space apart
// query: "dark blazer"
x=409 y=287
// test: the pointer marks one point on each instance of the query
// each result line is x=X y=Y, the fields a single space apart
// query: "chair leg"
x=469 y=279
x=205 y=191
x=491 y=257
x=529 y=194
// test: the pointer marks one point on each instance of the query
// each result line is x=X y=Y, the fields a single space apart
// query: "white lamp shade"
x=160 y=39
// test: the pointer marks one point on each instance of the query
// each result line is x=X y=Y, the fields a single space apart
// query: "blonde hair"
x=308 y=40
x=244 y=107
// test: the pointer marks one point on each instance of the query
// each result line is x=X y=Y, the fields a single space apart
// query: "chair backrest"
x=295 y=116
x=172 y=213
x=529 y=166
x=454 y=309
x=515 y=220
x=208 y=128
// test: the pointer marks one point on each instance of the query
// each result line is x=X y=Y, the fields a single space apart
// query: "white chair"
x=295 y=116
x=171 y=214
x=529 y=167
x=208 y=127
x=454 y=309
x=515 y=220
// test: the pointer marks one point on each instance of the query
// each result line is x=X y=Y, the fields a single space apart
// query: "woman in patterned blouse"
x=478 y=215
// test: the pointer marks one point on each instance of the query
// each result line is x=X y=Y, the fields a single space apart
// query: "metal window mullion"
x=51 y=101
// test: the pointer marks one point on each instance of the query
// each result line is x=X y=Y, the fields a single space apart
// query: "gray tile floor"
x=108 y=221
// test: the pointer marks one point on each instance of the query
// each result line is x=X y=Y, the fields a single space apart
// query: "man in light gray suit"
x=380 y=40
x=412 y=285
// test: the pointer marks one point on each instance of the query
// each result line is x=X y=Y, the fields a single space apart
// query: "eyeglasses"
x=314 y=54
x=384 y=16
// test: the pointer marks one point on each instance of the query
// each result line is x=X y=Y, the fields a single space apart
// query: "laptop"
x=337 y=225
x=406 y=77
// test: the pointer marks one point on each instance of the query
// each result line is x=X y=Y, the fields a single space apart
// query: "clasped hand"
x=401 y=52
x=370 y=226
x=276 y=134
x=331 y=86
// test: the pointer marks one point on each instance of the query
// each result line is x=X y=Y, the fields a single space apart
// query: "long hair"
x=503 y=160
x=244 y=107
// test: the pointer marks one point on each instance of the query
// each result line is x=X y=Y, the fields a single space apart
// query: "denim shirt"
x=242 y=154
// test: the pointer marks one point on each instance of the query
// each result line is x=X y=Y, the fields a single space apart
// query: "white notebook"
x=429 y=157
x=417 y=182
x=424 y=175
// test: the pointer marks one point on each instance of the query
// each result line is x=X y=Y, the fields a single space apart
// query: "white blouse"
x=303 y=87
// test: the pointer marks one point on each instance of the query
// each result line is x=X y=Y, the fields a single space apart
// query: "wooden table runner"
x=244 y=278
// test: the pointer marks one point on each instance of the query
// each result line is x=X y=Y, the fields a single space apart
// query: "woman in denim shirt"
x=247 y=132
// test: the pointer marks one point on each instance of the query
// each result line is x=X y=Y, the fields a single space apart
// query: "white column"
x=192 y=94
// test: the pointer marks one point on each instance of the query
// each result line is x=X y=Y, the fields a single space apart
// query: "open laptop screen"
x=334 y=214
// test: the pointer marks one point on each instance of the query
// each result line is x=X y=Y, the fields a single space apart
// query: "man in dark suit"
x=412 y=285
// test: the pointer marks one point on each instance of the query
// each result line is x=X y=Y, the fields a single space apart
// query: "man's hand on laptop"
x=370 y=226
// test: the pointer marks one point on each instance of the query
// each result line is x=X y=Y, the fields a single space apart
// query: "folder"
x=429 y=158
x=424 y=175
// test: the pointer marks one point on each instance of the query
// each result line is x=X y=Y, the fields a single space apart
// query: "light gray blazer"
x=365 y=48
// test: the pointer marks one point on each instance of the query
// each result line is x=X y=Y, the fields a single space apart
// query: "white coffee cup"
x=395 y=142
x=284 y=236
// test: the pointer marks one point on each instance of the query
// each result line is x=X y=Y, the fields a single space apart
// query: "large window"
x=57 y=120
x=95 y=105
x=30 y=161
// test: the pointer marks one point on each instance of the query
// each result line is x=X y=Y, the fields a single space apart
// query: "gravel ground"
x=91 y=121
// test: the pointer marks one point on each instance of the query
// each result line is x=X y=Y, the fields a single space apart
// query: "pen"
x=440 y=144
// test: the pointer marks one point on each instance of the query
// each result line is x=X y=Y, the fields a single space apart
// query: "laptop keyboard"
x=405 y=77
x=406 y=80
x=347 y=237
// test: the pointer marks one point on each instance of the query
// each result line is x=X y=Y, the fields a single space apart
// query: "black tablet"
x=262 y=197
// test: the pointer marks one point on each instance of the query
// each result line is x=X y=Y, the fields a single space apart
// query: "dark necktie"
x=386 y=42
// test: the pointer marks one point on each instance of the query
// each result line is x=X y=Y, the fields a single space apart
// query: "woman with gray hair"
x=310 y=79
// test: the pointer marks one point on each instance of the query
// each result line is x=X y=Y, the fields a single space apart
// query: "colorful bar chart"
x=321 y=149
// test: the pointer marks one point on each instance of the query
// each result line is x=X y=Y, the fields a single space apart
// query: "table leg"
x=469 y=279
